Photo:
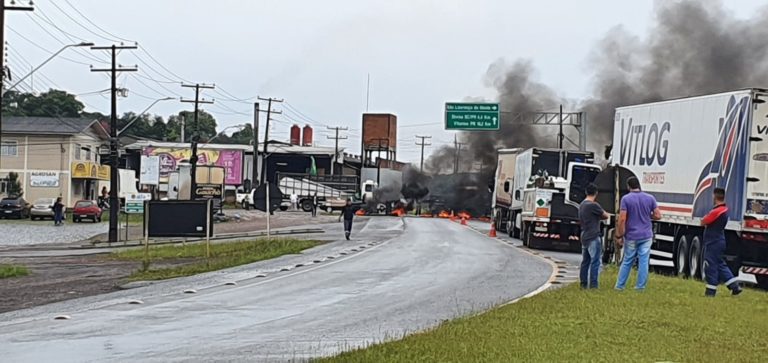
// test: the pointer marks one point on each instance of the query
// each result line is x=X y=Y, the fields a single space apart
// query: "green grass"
x=133 y=219
x=7 y=271
x=223 y=255
x=671 y=321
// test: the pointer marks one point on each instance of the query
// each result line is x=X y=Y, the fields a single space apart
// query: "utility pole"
x=458 y=146
x=196 y=136
x=114 y=142
x=254 y=167
x=3 y=8
x=266 y=136
x=422 y=144
x=183 y=124
x=560 y=136
x=336 y=139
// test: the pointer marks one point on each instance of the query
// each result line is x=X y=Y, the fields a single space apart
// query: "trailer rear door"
x=757 y=181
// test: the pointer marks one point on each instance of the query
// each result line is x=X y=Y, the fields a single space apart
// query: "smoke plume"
x=694 y=47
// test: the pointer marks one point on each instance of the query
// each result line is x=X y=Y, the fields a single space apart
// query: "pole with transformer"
x=336 y=147
x=3 y=8
x=196 y=137
x=114 y=142
x=422 y=144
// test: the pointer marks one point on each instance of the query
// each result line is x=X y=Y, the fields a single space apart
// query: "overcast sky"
x=317 y=55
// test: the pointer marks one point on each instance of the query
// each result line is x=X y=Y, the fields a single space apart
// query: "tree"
x=54 y=103
x=206 y=125
x=242 y=137
x=14 y=185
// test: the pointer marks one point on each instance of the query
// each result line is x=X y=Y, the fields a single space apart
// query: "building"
x=54 y=157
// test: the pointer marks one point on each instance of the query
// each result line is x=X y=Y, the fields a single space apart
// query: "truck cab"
x=551 y=184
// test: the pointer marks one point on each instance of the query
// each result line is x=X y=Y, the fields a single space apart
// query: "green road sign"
x=471 y=116
x=134 y=207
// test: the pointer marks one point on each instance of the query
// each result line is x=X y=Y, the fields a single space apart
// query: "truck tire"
x=695 y=256
x=526 y=235
x=306 y=205
x=762 y=281
x=681 y=257
x=510 y=227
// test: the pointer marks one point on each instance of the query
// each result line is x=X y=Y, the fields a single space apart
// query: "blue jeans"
x=58 y=217
x=590 y=263
x=635 y=249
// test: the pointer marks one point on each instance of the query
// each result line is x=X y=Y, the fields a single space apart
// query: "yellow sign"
x=89 y=170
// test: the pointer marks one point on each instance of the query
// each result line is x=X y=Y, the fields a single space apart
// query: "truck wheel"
x=510 y=228
x=695 y=258
x=329 y=210
x=681 y=260
x=306 y=205
x=526 y=235
x=762 y=281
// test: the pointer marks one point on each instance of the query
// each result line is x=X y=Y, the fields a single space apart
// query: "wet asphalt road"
x=411 y=275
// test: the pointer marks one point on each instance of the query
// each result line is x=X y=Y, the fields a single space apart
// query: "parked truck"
x=329 y=189
x=537 y=194
x=681 y=150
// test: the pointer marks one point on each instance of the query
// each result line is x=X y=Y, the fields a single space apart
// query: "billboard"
x=150 y=170
x=170 y=158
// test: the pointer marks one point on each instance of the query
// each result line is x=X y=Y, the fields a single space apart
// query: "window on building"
x=9 y=148
x=77 y=151
x=88 y=152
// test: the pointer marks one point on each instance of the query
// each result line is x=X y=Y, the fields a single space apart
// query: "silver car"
x=43 y=208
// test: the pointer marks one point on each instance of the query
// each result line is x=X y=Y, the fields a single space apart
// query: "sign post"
x=472 y=116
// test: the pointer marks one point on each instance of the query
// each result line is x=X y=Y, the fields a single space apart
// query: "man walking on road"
x=634 y=228
x=590 y=215
x=348 y=213
x=314 y=205
x=715 y=268
x=58 y=212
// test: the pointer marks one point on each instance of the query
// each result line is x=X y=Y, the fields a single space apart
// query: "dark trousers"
x=715 y=268
x=314 y=211
x=58 y=217
x=347 y=227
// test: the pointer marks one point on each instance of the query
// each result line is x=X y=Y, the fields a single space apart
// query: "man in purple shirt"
x=635 y=232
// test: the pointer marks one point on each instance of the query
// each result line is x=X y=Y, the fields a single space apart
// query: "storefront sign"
x=89 y=170
x=44 y=179
x=169 y=159
x=208 y=191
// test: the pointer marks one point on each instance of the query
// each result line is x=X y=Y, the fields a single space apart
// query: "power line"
x=196 y=136
x=266 y=140
x=78 y=23
x=96 y=25
x=43 y=49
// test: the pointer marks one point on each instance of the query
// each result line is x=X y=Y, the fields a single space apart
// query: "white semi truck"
x=681 y=150
x=537 y=194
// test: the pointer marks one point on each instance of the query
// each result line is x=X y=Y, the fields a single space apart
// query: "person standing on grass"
x=58 y=212
x=634 y=230
x=715 y=268
x=348 y=213
x=590 y=215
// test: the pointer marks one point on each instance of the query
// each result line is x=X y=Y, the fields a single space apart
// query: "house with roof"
x=54 y=157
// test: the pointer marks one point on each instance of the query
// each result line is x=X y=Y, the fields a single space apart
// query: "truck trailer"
x=681 y=150
x=537 y=194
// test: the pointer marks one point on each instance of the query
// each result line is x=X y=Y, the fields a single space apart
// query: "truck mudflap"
x=755 y=270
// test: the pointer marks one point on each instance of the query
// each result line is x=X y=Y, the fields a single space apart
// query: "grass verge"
x=669 y=322
x=186 y=260
x=133 y=219
x=7 y=271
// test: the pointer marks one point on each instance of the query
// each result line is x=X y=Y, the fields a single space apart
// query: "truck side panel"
x=757 y=185
x=682 y=149
x=523 y=167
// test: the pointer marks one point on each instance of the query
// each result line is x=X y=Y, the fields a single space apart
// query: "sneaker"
x=736 y=291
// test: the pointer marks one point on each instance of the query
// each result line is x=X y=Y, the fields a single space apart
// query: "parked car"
x=43 y=208
x=86 y=209
x=15 y=207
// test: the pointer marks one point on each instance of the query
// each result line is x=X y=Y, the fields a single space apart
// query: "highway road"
x=397 y=276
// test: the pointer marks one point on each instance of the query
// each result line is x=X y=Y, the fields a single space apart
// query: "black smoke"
x=694 y=47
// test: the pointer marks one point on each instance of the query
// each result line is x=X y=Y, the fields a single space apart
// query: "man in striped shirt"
x=715 y=268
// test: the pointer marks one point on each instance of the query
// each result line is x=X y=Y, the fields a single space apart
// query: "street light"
x=81 y=44
x=225 y=129
x=142 y=113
